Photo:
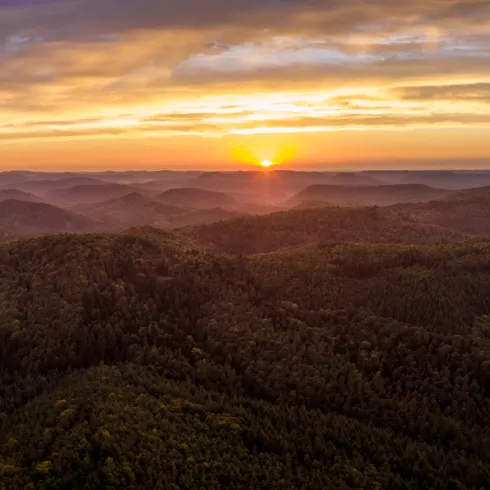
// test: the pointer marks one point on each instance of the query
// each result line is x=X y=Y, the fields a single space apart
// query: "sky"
x=226 y=84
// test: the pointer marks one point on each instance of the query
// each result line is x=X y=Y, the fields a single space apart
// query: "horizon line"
x=251 y=170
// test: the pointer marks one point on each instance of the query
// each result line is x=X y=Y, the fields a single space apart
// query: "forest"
x=154 y=359
x=184 y=333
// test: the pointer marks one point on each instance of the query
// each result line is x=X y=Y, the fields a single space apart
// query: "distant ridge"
x=196 y=198
x=45 y=186
x=448 y=180
x=279 y=181
x=18 y=195
x=353 y=178
x=82 y=194
x=383 y=195
x=130 y=210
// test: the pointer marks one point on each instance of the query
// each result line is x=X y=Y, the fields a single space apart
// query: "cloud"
x=70 y=68
x=475 y=92
x=279 y=118
x=366 y=121
x=279 y=53
x=68 y=19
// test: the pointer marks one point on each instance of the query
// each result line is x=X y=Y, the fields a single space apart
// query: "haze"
x=90 y=85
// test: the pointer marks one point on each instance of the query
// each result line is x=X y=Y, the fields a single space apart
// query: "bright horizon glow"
x=266 y=164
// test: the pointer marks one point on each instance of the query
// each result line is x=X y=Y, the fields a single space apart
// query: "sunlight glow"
x=266 y=164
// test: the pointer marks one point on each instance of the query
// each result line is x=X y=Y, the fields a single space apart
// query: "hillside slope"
x=366 y=196
x=86 y=194
x=18 y=195
x=463 y=215
x=471 y=194
x=137 y=210
x=130 y=359
x=322 y=225
x=196 y=217
x=31 y=217
x=128 y=211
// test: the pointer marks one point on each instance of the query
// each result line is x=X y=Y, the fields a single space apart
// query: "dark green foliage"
x=465 y=212
x=138 y=361
x=323 y=225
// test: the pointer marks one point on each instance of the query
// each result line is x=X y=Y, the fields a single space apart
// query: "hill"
x=257 y=208
x=131 y=210
x=462 y=215
x=138 y=210
x=155 y=187
x=12 y=177
x=85 y=194
x=32 y=217
x=470 y=194
x=384 y=195
x=18 y=195
x=311 y=204
x=324 y=225
x=195 y=217
x=129 y=359
x=196 y=198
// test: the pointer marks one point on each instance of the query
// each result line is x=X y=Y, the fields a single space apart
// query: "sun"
x=266 y=164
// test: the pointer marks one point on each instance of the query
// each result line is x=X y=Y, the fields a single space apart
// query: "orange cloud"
x=144 y=77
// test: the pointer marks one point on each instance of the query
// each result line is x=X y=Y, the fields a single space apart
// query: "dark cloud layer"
x=71 y=17
x=65 y=18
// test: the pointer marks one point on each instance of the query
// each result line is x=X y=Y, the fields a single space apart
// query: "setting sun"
x=266 y=164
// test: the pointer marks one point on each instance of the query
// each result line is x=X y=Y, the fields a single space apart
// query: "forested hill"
x=321 y=225
x=341 y=195
x=464 y=213
x=130 y=210
x=136 y=361
x=38 y=217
